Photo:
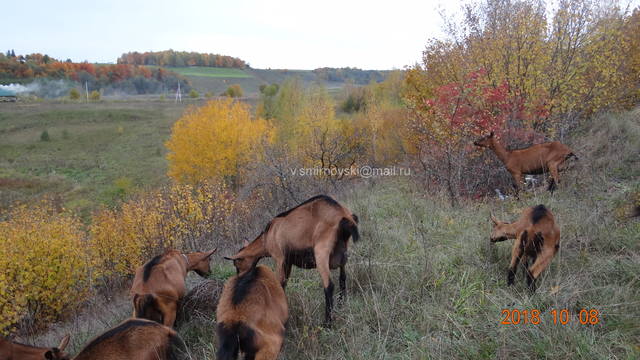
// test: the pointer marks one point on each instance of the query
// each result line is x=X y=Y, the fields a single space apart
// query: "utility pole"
x=178 y=94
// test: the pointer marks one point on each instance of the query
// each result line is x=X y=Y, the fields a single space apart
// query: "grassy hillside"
x=425 y=283
x=201 y=71
x=96 y=152
x=216 y=80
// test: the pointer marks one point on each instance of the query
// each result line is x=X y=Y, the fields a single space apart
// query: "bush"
x=74 y=94
x=356 y=100
x=44 y=136
x=233 y=91
x=44 y=269
x=215 y=142
x=181 y=216
x=94 y=95
x=194 y=94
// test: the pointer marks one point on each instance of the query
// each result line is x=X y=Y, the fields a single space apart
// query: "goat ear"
x=64 y=342
x=245 y=242
x=494 y=220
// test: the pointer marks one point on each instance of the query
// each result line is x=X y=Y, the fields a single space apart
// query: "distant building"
x=7 y=95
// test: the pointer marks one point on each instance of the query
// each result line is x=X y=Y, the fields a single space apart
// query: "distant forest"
x=130 y=79
x=181 y=58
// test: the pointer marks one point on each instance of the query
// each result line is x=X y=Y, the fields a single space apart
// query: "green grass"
x=93 y=150
x=202 y=71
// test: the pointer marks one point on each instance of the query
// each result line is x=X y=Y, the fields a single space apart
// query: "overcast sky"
x=285 y=34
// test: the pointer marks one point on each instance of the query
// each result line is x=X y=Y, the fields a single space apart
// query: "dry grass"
x=425 y=283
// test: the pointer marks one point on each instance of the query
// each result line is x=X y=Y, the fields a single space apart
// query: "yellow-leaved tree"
x=215 y=141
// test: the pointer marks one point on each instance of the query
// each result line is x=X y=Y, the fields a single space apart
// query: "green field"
x=217 y=80
x=97 y=153
x=202 y=71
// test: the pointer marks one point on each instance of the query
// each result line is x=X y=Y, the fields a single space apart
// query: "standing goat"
x=534 y=160
x=15 y=351
x=537 y=239
x=251 y=315
x=160 y=284
x=314 y=234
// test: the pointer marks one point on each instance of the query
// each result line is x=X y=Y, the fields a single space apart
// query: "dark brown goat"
x=135 y=339
x=537 y=239
x=252 y=313
x=534 y=160
x=314 y=234
x=160 y=284
x=15 y=351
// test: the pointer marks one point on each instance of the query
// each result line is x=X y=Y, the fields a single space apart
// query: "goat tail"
x=348 y=227
x=145 y=307
x=235 y=337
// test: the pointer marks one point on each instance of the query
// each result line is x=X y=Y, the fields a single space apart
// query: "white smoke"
x=19 y=88
x=46 y=88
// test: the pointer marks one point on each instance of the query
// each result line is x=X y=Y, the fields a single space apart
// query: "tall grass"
x=424 y=282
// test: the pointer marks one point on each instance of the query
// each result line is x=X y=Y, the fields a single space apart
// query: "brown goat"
x=537 y=238
x=252 y=313
x=534 y=160
x=314 y=234
x=159 y=284
x=135 y=339
x=15 y=351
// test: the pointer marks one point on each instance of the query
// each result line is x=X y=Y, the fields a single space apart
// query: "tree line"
x=173 y=58
x=124 y=77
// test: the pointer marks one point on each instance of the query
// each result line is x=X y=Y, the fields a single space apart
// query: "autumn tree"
x=233 y=91
x=572 y=63
x=215 y=141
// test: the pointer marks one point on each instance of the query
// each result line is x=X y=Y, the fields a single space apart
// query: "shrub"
x=215 y=141
x=44 y=136
x=44 y=269
x=74 y=94
x=180 y=216
x=233 y=91
x=194 y=94
x=94 y=95
x=208 y=95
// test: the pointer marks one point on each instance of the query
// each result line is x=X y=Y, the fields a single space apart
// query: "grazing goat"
x=135 y=339
x=14 y=351
x=314 y=234
x=252 y=313
x=159 y=284
x=537 y=239
x=534 y=160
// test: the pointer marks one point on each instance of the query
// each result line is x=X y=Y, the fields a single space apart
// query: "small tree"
x=44 y=136
x=74 y=94
x=215 y=141
x=233 y=91
x=94 y=95
x=194 y=94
